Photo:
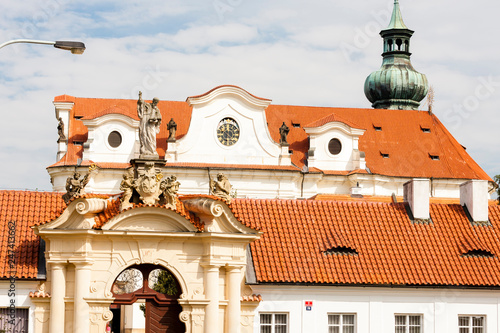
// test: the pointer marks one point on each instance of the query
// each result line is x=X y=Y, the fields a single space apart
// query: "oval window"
x=115 y=139
x=334 y=146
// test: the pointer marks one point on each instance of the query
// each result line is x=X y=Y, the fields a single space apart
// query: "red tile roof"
x=401 y=136
x=314 y=241
x=364 y=243
x=25 y=209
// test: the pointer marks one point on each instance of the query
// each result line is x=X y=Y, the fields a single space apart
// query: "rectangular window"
x=273 y=323
x=341 y=323
x=471 y=324
x=408 y=324
x=20 y=320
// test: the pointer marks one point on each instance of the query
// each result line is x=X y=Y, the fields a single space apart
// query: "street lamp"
x=74 y=47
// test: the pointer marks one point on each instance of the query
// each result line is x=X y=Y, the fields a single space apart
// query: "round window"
x=334 y=146
x=115 y=139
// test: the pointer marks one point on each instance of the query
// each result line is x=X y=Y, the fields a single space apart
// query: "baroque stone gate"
x=200 y=242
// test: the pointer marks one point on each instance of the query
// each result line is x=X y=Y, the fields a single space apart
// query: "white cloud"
x=293 y=52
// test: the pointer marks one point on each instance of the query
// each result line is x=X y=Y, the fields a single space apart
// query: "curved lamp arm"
x=74 y=47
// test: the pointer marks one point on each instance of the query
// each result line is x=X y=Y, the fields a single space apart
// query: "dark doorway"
x=158 y=288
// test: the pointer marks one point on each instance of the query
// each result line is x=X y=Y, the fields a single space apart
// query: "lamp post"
x=74 y=47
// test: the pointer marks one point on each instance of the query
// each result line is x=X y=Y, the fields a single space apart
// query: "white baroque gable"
x=349 y=158
x=201 y=144
x=97 y=147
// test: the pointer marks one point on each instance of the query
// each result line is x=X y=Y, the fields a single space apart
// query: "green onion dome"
x=396 y=85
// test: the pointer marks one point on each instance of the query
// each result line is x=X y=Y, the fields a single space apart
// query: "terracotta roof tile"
x=371 y=243
x=26 y=209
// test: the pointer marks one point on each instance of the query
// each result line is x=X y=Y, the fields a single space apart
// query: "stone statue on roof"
x=60 y=131
x=221 y=187
x=169 y=188
x=284 y=130
x=172 y=129
x=75 y=185
x=149 y=126
x=127 y=186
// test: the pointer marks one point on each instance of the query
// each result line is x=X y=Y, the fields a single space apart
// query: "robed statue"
x=221 y=187
x=149 y=126
x=284 y=130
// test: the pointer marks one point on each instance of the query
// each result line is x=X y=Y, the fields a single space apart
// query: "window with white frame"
x=408 y=323
x=273 y=323
x=341 y=323
x=471 y=324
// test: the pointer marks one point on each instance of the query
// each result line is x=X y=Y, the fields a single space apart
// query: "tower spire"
x=396 y=85
x=396 y=18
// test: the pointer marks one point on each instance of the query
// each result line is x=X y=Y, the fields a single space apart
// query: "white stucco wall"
x=21 y=289
x=375 y=308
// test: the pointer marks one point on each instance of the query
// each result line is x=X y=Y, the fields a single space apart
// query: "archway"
x=156 y=289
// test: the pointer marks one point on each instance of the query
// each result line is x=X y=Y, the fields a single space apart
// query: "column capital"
x=208 y=265
x=82 y=264
x=57 y=264
x=230 y=268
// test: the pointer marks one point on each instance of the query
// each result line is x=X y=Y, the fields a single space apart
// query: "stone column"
x=58 y=292
x=81 y=323
x=233 y=274
x=211 y=324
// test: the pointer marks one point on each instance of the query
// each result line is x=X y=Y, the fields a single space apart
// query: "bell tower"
x=396 y=85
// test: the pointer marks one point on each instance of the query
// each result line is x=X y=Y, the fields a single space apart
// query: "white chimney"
x=416 y=193
x=474 y=196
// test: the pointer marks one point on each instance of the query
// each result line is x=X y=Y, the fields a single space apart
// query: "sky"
x=315 y=52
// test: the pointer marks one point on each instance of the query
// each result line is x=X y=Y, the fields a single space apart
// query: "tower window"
x=114 y=139
x=334 y=146
x=399 y=42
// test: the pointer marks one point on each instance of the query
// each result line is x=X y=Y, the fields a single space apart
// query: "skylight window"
x=478 y=254
x=341 y=250
x=384 y=154
x=434 y=157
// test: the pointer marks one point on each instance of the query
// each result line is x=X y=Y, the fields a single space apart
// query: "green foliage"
x=142 y=307
x=166 y=284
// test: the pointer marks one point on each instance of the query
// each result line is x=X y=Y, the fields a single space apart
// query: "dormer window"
x=425 y=128
x=434 y=156
x=341 y=250
x=334 y=146
x=478 y=254
x=377 y=127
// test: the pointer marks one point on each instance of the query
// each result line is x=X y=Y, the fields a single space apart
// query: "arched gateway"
x=200 y=246
x=157 y=290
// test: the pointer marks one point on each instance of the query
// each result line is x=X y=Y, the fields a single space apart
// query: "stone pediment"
x=193 y=215
x=156 y=219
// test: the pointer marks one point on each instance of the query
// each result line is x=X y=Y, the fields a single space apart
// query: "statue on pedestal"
x=172 y=129
x=75 y=186
x=221 y=187
x=60 y=131
x=284 y=130
x=127 y=186
x=149 y=126
x=170 y=187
